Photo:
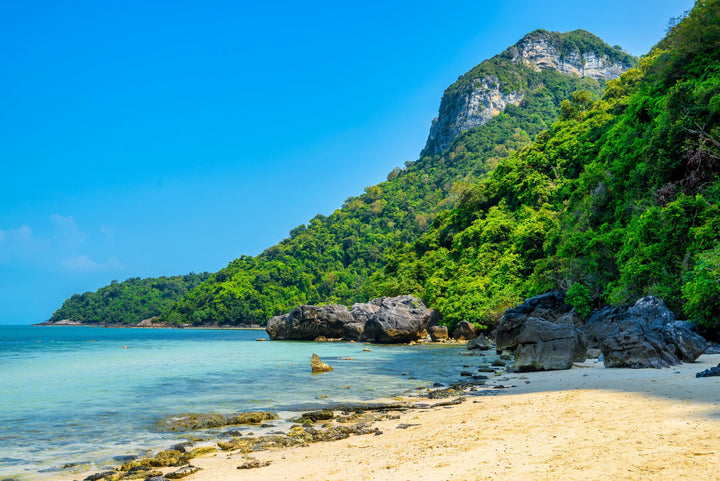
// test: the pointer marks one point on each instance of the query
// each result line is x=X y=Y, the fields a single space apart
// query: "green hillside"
x=620 y=198
x=333 y=259
x=341 y=258
x=128 y=302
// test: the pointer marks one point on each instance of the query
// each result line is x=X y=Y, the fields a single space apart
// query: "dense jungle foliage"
x=619 y=198
x=335 y=259
x=128 y=302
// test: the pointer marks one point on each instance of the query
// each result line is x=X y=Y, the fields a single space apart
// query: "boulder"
x=642 y=336
x=306 y=323
x=318 y=366
x=480 y=342
x=549 y=307
x=396 y=320
x=438 y=333
x=544 y=345
x=464 y=330
x=538 y=340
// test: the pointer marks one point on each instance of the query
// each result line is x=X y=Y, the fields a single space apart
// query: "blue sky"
x=143 y=138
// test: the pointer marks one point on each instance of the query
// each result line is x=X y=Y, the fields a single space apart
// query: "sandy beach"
x=587 y=423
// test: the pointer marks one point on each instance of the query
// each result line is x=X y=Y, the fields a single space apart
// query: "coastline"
x=138 y=326
x=584 y=423
x=588 y=422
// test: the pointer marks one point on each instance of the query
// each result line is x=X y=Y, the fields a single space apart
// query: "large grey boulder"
x=305 y=323
x=544 y=345
x=396 y=320
x=536 y=332
x=642 y=336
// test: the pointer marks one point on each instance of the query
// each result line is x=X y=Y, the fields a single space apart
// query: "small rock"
x=319 y=366
x=498 y=363
x=713 y=371
x=253 y=463
x=182 y=472
x=96 y=476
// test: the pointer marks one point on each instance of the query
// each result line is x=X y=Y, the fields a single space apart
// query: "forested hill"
x=127 y=302
x=618 y=199
x=498 y=107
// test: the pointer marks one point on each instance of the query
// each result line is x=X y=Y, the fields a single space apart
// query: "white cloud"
x=66 y=229
x=83 y=263
x=20 y=243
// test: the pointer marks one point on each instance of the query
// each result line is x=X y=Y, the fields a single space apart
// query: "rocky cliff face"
x=478 y=95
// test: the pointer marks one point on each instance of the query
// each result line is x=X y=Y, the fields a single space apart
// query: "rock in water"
x=396 y=319
x=319 y=366
x=306 y=323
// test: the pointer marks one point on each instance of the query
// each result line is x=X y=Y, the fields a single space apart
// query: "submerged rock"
x=318 y=366
x=205 y=421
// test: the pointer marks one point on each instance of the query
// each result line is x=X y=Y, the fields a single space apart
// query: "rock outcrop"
x=397 y=319
x=644 y=335
x=480 y=95
x=540 y=342
x=317 y=365
x=306 y=323
x=386 y=320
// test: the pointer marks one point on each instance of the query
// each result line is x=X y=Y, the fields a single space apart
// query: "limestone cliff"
x=481 y=94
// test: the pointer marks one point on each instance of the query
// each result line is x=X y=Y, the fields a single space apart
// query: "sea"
x=79 y=399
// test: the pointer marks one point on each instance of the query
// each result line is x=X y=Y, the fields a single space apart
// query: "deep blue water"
x=84 y=394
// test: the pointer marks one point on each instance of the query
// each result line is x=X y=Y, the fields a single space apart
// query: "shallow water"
x=83 y=394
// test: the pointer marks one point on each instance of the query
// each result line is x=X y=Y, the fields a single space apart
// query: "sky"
x=148 y=138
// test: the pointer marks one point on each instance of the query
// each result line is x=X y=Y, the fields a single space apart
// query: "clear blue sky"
x=144 y=138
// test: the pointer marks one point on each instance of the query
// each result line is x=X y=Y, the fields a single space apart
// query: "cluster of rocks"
x=546 y=333
x=384 y=320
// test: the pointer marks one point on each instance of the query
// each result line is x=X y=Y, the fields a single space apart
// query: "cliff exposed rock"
x=480 y=95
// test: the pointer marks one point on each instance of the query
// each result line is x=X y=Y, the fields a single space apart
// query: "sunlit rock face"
x=471 y=102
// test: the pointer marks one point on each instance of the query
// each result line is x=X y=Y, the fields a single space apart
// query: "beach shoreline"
x=588 y=422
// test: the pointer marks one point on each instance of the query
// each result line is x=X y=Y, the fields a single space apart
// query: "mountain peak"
x=487 y=89
x=576 y=53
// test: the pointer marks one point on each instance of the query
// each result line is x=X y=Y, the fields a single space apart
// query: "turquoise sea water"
x=84 y=395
